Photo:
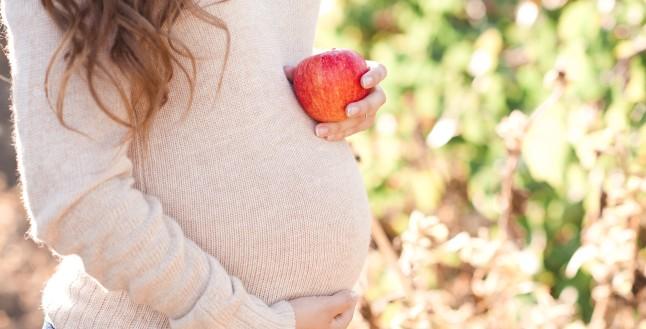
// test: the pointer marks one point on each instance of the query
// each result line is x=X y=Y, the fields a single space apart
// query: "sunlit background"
x=506 y=172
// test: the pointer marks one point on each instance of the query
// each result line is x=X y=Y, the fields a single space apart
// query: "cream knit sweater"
x=235 y=210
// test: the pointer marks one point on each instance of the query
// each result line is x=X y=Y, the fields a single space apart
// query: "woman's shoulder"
x=20 y=8
x=25 y=15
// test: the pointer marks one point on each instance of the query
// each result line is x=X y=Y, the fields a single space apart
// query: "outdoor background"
x=506 y=171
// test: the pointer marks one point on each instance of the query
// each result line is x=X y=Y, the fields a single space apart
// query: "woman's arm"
x=80 y=198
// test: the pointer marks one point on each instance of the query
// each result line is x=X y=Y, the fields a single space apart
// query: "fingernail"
x=367 y=81
x=352 y=110
x=321 y=131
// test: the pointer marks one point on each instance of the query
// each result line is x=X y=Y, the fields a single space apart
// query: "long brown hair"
x=137 y=37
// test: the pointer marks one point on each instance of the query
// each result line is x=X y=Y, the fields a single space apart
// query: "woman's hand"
x=361 y=114
x=324 y=312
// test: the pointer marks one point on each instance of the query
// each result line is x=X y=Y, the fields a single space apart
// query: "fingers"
x=361 y=115
x=341 y=301
x=337 y=131
x=376 y=73
x=363 y=125
x=334 y=131
x=370 y=104
x=289 y=72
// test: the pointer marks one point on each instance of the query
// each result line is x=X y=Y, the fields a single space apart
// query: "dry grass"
x=25 y=267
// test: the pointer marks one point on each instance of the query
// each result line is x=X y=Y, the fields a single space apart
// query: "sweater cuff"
x=225 y=303
x=286 y=314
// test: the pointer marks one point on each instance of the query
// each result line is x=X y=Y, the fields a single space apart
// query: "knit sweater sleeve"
x=80 y=196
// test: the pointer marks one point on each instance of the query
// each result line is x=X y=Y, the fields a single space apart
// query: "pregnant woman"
x=164 y=157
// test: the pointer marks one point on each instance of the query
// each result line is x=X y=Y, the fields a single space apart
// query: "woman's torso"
x=280 y=208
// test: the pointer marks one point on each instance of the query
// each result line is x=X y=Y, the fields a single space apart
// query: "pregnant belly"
x=281 y=209
x=288 y=214
x=288 y=233
x=305 y=240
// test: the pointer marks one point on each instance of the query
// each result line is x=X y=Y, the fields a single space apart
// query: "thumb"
x=289 y=72
x=342 y=300
x=343 y=320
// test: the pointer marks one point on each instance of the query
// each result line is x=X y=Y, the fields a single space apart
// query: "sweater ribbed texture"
x=234 y=211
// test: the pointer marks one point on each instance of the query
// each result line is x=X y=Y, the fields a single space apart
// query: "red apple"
x=326 y=83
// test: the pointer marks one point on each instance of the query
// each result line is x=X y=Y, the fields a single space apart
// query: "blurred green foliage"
x=456 y=68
